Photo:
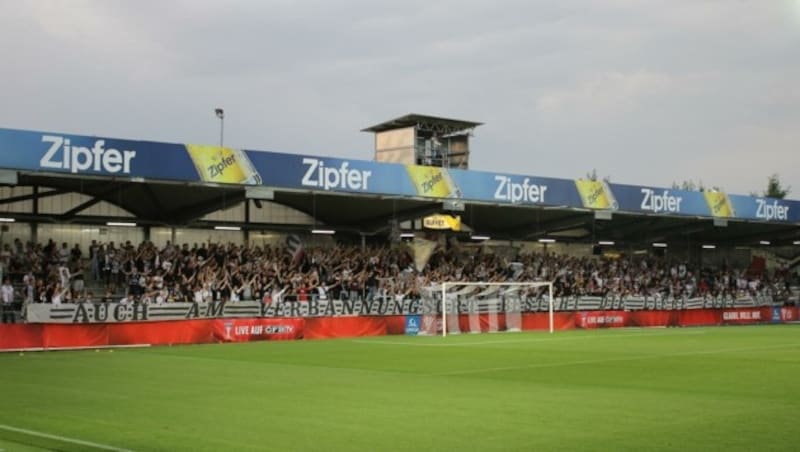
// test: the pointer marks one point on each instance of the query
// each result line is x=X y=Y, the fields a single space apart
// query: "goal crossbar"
x=447 y=284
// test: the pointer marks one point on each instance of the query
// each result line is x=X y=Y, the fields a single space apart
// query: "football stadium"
x=163 y=296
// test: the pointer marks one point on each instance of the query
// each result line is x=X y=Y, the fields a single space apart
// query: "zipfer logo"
x=62 y=155
x=771 y=211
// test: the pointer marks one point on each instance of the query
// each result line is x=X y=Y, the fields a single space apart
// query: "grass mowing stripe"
x=277 y=364
x=610 y=360
x=63 y=439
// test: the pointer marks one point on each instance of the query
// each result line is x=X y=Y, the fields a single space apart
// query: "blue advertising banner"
x=330 y=174
x=77 y=155
x=776 y=314
x=660 y=201
x=412 y=324
x=665 y=201
x=515 y=189
x=765 y=209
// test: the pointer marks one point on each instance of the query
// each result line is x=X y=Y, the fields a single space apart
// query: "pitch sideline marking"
x=601 y=361
x=63 y=438
x=519 y=341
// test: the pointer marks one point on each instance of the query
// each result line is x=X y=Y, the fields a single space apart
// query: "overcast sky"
x=646 y=92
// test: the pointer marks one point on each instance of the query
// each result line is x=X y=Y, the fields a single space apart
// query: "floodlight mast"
x=221 y=115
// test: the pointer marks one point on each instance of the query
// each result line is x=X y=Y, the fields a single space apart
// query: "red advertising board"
x=46 y=336
x=745 y=316
x=160 y=333
x=652 y=318
x=259 y=329
x=81 y=335
x=20 y=335
x=330 y=327
x=541 y=321
x=789 y=314
x=601 y=319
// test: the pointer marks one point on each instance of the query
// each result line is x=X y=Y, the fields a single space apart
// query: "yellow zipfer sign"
x=432 y=182
x=223 y=165
x=442 y=222
x=719 y=204
x=595 y=194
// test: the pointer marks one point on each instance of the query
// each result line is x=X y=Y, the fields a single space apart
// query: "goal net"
x=480 y=307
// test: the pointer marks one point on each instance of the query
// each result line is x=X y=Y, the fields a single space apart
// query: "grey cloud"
x=646 y=92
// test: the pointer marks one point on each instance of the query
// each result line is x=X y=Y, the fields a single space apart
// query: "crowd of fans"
x=126 y=272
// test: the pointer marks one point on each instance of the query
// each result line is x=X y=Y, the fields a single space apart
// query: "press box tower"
x=416 y=139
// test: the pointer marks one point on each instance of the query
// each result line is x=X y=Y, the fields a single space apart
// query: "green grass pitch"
x=704 y=389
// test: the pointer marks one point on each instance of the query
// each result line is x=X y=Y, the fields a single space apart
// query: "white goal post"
x=492 y=299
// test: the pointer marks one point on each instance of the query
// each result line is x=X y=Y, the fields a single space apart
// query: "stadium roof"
x=169 y=203
x=442 y=125
x=171 y=184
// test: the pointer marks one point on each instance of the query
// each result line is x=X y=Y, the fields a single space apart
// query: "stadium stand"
x=239 y=215
x=52 y=273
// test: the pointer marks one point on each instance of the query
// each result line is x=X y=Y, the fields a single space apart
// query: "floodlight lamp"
x=323 y=231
